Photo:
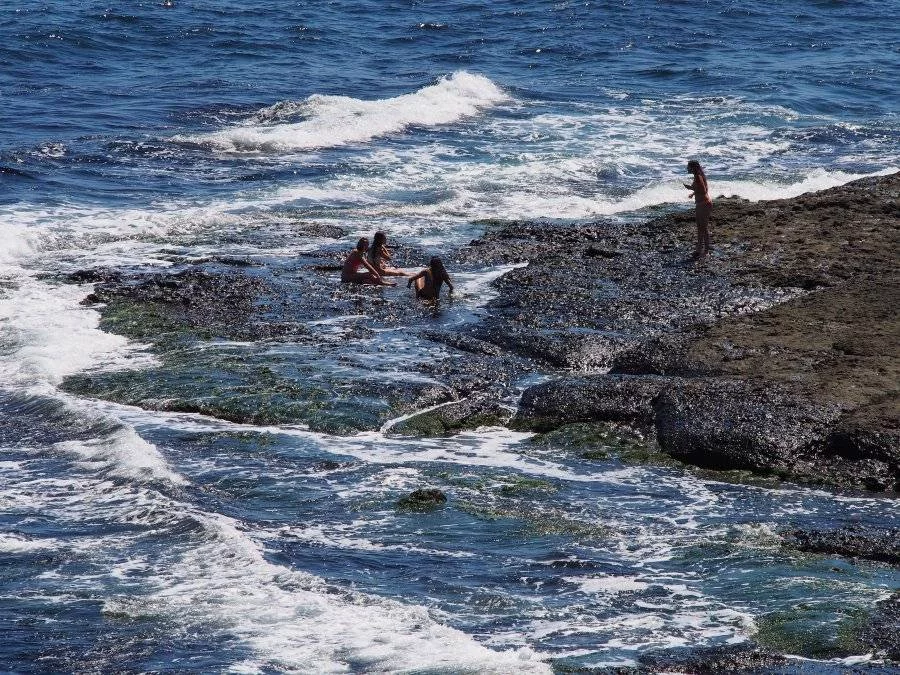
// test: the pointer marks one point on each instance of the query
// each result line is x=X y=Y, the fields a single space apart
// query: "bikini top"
x=354 y=261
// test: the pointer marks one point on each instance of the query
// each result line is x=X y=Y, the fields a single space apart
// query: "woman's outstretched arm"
x=409 y=283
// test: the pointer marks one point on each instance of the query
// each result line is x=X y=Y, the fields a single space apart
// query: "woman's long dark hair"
x=438 y=272
x=379 y=240
x=695 y=168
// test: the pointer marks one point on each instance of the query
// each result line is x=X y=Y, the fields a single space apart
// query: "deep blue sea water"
x=138 y=135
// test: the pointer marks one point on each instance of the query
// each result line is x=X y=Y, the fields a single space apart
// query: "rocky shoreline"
x=778 y=354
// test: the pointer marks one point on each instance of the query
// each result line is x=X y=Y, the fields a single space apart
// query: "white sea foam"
x=49 y=336
x=816 y=180
x=527 y=185
x=221 y=581
x=350 y=536
x=494 y=447
x=293 y=621
x=330 y=121
x=122 y=453
x=94 y=237
x=16 y=241
x=17 y=544
x=698 y=623
x=608 y=584
x=478 y=286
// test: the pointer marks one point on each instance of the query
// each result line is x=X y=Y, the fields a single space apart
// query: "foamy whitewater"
x=134 y=538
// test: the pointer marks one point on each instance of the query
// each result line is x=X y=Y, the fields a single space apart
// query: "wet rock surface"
x=422 y=499
x=881 y=633
x=723 y=423
x=314 y=351
x=868 y=543
x=450 y=418
x=742 y=658
x=589 y=399
x=776 y=354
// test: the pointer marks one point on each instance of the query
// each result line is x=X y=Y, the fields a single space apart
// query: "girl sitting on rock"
x=380 y=256
x=350 y=274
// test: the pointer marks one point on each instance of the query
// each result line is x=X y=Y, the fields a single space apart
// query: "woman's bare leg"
x=392 y=272
x=419 y=285
x=702 y=217
x=362 y=278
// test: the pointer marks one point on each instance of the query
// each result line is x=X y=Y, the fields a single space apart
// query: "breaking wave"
x=329 y=121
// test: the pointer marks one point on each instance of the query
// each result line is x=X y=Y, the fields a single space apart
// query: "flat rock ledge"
x=778 y=354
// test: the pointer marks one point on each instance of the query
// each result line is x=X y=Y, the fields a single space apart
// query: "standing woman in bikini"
x=700 y=192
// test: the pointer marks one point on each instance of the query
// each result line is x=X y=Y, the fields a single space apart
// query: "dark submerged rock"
x=881 y=632
x=93 y=276
x=422 y=499
x=743 y=658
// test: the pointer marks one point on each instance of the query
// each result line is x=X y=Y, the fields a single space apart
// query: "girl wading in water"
x=700 y=192
x=428 y=282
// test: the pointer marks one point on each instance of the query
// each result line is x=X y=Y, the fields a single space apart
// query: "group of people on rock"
x=375 y=259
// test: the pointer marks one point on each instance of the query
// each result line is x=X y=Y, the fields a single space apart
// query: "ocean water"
x=139 y=137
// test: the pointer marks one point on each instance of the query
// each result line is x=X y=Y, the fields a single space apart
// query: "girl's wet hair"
x=379 y=239
x=362 y=244
x=695 y=168
x=436 y=264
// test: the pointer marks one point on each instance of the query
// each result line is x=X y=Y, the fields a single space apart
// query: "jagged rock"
x=869 y=543
x=94 y=276
x=736 y=424
x=743 y=658
x=658 y=355
x=882 y=632
x=588 y=351
x=854 y=442
x=464 y=342
x=592 y=398
x=784 y=339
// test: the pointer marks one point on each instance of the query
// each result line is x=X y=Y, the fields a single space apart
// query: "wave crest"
x=330 y=121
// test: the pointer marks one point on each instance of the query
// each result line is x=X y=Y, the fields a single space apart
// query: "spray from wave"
x=330 y=121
